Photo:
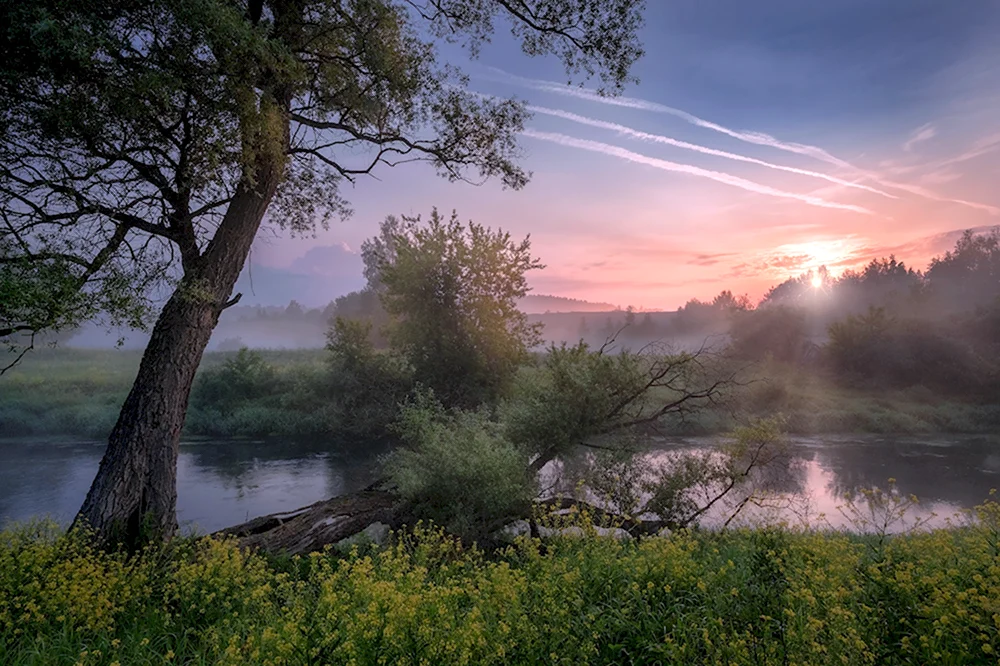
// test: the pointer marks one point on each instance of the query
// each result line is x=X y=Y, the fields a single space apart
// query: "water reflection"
x=218 y=483
x=224 y=483
x=812 y=485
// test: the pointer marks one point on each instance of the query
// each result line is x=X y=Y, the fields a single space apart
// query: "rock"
x=377 y=533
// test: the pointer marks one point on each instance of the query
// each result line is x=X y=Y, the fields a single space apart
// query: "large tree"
x=145 y=141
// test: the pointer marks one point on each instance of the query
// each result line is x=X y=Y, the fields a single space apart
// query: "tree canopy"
x=452 y=290
x=129 y=127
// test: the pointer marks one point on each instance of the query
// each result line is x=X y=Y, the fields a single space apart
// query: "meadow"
x=763 y=596
x=77 y=393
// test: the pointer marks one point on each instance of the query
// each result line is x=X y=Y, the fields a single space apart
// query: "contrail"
x=735 y=181
x=927 y=194
x=658 y=138
x=757 y=138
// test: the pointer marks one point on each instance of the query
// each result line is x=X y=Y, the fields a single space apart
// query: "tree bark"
x=318 y=525
x=133 y=498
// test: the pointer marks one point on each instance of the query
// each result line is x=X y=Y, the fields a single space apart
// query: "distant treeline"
x=887 y=323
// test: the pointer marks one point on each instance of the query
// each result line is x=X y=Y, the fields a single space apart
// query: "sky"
x=763 y=140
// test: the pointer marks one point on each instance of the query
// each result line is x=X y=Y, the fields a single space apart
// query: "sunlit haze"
x=764 y=140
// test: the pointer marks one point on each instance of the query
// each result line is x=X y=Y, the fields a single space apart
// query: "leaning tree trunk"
x=134 y=495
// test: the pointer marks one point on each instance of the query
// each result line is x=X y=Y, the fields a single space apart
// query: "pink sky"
x=726 y=168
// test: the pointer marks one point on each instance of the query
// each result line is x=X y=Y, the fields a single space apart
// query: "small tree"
x=453 y=291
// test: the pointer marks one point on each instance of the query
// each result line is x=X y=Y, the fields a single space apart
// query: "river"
x=222 y=483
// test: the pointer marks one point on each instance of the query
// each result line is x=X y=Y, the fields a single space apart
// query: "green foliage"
x=687 y=484
x=776 y=332
x=366 y=385
x=740 y=597
x=571 y=398
x=239 y=379
x=78 y=393
x=363 y=306
x=969 y=274
x=882 y=349
x=453 y=290
x=126 y=128
x=459 y=470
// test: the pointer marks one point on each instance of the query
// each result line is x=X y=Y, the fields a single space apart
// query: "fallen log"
x=328 y=522
x=318 y=525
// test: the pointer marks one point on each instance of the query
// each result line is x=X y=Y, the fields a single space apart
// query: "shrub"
x=240 y=379
x=459 y=470
x=743 y=597
x=879 y=348
x=366 y=386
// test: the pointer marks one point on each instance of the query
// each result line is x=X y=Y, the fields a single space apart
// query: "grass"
x=764 y=596
x=813 y=403
x=78 y=393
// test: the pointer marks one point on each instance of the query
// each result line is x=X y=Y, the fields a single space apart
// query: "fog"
x=933 y=324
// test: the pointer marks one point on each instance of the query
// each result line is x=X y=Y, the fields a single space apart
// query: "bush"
x=878 y=348
x=774 y=331
x=459 y=470
x=366 y=386
x=569 y=399
x=240 y=379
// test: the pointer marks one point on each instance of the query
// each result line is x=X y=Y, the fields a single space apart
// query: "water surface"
x=222 y=483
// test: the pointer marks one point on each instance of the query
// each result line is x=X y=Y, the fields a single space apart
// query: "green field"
x=77 y=393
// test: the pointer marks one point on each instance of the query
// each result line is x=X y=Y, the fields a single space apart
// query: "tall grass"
x=766 y=596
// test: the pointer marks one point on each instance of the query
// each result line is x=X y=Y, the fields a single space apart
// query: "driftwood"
x=313 y=527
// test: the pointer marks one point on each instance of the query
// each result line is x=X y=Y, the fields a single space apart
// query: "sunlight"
x=793 y=259
x=817 y=282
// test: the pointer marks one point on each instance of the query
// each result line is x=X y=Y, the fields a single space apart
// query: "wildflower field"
x=763 y=596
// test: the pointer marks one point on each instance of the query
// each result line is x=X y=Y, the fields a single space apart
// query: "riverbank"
x=738 y=597
x=78 y=393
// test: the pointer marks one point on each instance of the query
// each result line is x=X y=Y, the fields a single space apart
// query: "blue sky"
x=763 y=140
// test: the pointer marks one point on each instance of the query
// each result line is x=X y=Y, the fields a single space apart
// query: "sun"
x=817 y=282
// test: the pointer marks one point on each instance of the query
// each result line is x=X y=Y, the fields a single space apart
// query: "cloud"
x=921 y=134
x=314 y=279
x=982 y=146
x=757 y=138
x=658 y=138
x=718 y=176
x=328 y=261
x=927 y=194
x=710 y=259
x=919 y=251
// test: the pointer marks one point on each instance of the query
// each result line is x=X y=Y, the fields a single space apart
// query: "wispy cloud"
x=666 y=165
x=757 y=138
x=921 y=134
x=658 y=138
x=982 y=146
x=927 y=194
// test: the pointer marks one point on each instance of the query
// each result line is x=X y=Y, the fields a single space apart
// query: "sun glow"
x=794 y=259
x=817 y=282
